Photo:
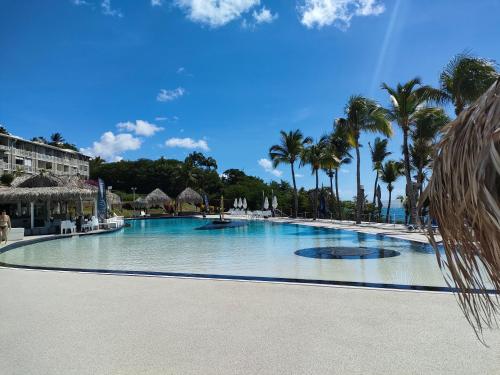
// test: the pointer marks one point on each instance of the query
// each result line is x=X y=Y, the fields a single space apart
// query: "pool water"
x=260 y=249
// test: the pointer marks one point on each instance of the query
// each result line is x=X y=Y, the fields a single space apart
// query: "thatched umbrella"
x=463 y=195
x=56 y=193
x=157 y=198
x=46 y=187
x=140 y=203
x=113 y=198
x=188 y=195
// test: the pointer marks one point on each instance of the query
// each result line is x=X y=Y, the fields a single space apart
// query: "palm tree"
x=406 y=101
x=363 y=115
x=39 y=139
x=3 y=130
x=428 y=124
x=330 y=161
x=288 y=151
x=337 y=145
x=465 y=79
x=389 y=173
x=57 y=139
x=314 y=155
x=379 y=153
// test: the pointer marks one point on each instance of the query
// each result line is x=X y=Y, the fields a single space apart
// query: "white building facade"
x=20 y=155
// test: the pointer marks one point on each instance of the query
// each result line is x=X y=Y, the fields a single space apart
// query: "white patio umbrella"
x=275 y=202
x=245 y=203
x=266 y=204
x=235 y=204
x=240 y=203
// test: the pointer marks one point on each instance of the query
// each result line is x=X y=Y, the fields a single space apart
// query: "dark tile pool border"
x=215 y=276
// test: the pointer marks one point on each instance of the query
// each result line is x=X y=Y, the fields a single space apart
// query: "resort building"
x=20 y=155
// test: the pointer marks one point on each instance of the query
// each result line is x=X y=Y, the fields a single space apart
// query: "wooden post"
x=32 y=214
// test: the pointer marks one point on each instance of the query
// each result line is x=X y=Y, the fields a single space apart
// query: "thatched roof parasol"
x=46 y=186
x=113 y=198
x=140 y=203
x=188 y=195
x=464 y=197
x=157 y=198
x=56 y=193
x=41 y=181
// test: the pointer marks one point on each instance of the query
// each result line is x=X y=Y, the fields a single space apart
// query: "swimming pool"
x=258 y=250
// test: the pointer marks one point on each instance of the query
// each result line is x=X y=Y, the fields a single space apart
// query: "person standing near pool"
x=5 y=226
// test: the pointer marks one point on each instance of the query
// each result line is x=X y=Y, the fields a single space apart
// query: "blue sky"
x=141 y=78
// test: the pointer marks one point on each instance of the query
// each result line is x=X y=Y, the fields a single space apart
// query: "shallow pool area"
x=259 y=249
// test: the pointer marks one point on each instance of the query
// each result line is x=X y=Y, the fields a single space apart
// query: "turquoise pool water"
x=259 y=249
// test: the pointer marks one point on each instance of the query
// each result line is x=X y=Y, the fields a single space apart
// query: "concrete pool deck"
x=72 y=323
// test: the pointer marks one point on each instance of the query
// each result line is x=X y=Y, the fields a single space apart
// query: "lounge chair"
x=68 y=225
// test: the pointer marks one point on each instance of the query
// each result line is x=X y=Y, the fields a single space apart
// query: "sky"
x=126 y=79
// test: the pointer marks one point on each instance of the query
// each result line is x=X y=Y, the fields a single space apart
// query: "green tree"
x=428 y=124
x=3 y=130
x=39 y=139
x=465 y=79
x=390 y=172
x=288 y=151
x=363 y=115
x=406 y=101
x=57 y=139
x=379 y=153
x=330 y=161
x=340 y=142
x=314 y=155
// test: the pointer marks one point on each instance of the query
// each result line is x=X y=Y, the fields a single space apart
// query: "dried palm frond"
x=157 y=198
x=463 y=195
x=188 y=195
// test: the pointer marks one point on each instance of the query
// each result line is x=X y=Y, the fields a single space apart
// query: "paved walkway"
x=70 y=323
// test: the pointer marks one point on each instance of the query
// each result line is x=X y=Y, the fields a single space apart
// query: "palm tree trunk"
x=339 y=204
x=388 y=205
x=295 y=195
x=421 y=179
x=409 y=185
x=330 y=175
x=375 y=188
x=358 y=185
x=316 y=197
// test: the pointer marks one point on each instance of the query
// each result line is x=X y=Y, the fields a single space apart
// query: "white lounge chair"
x=94 y=223
x=67 y=225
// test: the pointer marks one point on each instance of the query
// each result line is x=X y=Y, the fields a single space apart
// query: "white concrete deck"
x=71 y=323
x=55 y=236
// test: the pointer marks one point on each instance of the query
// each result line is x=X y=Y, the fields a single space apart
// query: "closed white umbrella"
x=240 y=203
x=275 y=202
x=235 y=204
x=266 y=204
x=245 y=203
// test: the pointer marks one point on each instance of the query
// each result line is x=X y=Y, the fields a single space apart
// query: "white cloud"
x=140 y=127
x=156 y=3
x=298 y=175
x=111 y=146
x=264 y=15
x=319 y=13
x=215 y=13
x=345 y=170
x=108 y=10
x=79 y=2
x=268 y=167
x=169 y=95
x=181 y=70
x=188 y=143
